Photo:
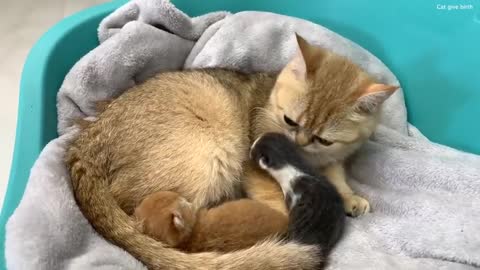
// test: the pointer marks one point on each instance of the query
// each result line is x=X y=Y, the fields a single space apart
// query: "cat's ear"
x=374 y=96
x=296 y=68
x=178 y=220
x=312 y=55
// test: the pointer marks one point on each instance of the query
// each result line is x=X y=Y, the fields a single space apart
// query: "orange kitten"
x=171 y=219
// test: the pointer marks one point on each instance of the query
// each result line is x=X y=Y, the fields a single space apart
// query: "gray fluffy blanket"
x=425 y=197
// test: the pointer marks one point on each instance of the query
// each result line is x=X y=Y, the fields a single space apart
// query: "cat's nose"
x=302 y=138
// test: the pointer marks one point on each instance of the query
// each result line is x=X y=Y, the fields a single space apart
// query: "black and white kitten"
x=316 y=212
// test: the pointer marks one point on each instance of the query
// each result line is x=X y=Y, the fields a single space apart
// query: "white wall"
x=21 y=24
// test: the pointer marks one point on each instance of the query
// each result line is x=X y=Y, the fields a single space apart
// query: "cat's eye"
x=289 y=121
x=322 y=141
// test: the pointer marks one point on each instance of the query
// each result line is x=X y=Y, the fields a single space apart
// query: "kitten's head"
x=167 y=217
x=274 y=151
x=324 y=102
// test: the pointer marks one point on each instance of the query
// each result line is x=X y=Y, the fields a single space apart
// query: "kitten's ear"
x=178 y=220
x=374 y=96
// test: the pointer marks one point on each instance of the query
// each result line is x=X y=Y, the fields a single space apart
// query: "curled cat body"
x=189 y=132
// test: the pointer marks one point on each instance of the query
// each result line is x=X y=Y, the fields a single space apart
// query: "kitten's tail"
x=106 y=216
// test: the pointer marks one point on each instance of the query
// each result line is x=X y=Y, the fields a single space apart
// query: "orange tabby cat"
x=189 y=132
x=234 y=225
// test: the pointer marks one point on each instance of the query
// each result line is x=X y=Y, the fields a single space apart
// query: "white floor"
x=22 y=23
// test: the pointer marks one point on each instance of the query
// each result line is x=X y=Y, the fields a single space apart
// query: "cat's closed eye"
x=289 y=121
x=322 y=141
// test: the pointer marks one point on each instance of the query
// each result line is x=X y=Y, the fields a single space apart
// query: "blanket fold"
x=425 y=197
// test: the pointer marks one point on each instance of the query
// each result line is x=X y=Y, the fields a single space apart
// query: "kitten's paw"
x=355 y=205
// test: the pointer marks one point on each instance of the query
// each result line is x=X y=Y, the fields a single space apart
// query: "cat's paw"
x=355 y=205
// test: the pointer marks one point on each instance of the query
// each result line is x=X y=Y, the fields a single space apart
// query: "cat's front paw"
x=355 y=205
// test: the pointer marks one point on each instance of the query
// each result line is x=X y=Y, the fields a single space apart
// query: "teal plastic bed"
x=432 y=46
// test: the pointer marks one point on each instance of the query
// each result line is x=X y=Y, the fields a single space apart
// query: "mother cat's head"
x=325 y=102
